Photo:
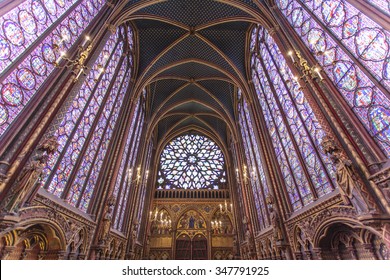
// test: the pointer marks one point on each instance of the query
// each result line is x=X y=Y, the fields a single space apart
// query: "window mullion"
x=292 y=138
x=301 y=118
x=109 y=92
x=130 y=192
x=265 y=210
x=90 y=132
x=252 y=183
x=125 y=183
x=281 y=145
x=125 y=180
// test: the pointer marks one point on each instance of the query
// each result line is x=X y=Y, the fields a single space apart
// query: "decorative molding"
x=382 y=180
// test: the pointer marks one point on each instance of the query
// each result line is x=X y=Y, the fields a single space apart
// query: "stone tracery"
x=248 y=98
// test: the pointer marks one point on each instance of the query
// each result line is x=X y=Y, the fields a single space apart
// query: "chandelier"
x=224 y=209
x=245 y=175
x=161 y=221
x=216 y=226
x=301 y=64
x=78 y=64
x=137 y=179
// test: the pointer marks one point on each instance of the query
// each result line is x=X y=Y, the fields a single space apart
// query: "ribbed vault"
x=192 y=60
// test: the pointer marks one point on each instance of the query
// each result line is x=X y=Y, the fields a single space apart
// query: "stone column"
x=298 y=255
x=370 y=251
x=7 y=250
x=318 y=253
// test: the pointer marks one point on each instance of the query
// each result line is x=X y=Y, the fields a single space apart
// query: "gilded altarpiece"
x=190 y=230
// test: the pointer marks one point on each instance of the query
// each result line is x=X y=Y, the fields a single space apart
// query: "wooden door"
x=183 y=247
x=199 y=247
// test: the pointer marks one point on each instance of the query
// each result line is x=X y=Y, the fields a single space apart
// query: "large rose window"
x=191 y=162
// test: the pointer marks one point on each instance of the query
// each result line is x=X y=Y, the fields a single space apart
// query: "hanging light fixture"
x=78 y=64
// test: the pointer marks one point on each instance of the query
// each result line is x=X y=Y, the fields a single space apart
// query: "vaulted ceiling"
x=192 y=59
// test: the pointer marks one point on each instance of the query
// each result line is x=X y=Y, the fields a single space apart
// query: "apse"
x=194 y=130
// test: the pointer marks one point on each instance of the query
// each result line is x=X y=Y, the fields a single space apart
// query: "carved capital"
x=61 y=255
x=112 y=28
x=111 y=200
x=318 y=252
x=272 y=31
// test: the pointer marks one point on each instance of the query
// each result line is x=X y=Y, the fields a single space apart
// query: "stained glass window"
x=142 y=196
x=191 y=162
x=87 y=125
x=354 y=52
x=240 y=200
x=91 y=163
x=383 y=5
x=25 y=26
x=81 y=113
x=132 y=163
x=127 y=169
x=293 y=126
x=255 y=168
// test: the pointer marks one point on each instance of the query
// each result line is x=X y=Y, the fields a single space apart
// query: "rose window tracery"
x=191 y=162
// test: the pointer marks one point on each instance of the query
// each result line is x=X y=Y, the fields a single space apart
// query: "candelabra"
x=223 y=209
x=78 y=64
x=313 y=73
x=161 y=222
x=216 y=226
x=138 y=177
x=245 y=175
